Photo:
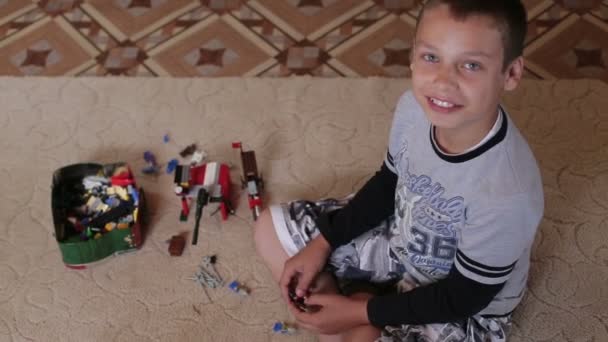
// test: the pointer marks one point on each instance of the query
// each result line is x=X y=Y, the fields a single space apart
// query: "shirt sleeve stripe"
x=479 y=277
x=390 y=158
x=482 y=266
x=483 y=272
x=390 y=163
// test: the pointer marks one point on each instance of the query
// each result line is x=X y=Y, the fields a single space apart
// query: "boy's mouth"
x=442 y=106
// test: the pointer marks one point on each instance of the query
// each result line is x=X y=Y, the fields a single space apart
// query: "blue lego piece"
x=172 y=165
x=112 y=202
x=166 y=138
x=152 y=167
x=134 y=194
x=237 y=288
x=234 y=286
x=149 y=157
x=283 y=328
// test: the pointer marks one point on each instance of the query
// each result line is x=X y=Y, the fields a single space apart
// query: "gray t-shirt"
x=478 y=211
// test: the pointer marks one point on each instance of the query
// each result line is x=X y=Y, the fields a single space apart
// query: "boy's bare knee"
x=267 y=244
x=261 y=229
x=363 y=333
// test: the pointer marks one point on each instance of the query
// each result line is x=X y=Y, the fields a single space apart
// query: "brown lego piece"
x=250 y=167
x=176 y=245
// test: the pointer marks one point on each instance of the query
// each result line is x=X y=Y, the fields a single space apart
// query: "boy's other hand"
x=337 y=314
x=301 y=269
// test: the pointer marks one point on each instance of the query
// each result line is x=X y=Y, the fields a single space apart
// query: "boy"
x=451 y=214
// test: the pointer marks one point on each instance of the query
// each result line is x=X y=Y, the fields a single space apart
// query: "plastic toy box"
x=97 y=212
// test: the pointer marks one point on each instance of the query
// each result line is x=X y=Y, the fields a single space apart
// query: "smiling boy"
x=451 y=214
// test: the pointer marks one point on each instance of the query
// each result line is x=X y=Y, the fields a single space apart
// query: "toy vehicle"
x=213 y=177
x=251 y=179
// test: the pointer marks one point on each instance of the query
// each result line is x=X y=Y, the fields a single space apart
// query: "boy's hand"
x=337 y=314
x=303 y=268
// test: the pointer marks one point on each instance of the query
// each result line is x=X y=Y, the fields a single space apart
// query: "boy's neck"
x=459 y=140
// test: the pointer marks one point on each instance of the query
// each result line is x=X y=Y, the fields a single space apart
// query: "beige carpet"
x=314 y=138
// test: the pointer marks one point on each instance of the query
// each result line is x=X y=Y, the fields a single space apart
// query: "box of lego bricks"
x=97 y=212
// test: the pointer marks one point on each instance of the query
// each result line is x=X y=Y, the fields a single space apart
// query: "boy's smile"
x=442 y=106
x=458 y=77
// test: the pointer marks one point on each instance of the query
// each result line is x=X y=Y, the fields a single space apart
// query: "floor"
x=212 y=38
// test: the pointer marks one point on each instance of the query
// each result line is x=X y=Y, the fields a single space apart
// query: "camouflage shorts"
x=368 y=259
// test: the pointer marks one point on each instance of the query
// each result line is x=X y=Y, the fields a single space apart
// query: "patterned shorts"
x=368 y=260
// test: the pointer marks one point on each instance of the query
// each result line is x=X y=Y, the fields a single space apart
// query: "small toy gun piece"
x=202 y=198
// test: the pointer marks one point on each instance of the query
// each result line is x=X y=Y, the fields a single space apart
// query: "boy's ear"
x=514 y=73
x=411 y=57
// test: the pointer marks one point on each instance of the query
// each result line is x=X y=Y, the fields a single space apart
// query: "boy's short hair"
x=510 y=17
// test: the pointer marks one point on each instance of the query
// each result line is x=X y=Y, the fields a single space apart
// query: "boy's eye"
x=429 y=57
x=473 y=66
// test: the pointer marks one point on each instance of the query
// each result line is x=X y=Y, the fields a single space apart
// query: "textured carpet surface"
x=314 y=138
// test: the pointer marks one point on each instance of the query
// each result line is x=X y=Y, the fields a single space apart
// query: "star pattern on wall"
x=330 y=38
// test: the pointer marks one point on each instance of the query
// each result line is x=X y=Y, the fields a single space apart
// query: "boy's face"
x=457 y=70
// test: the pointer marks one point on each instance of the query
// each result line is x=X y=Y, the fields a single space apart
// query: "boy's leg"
x=281 y=231
x=476 y=328
x=294 y=222
x=270 y=249
x=268 y=245
x=362 y=333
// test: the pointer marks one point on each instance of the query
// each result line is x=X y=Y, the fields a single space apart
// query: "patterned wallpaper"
x=329 y=38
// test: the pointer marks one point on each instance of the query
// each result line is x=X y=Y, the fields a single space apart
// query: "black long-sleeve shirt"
x=448 y=300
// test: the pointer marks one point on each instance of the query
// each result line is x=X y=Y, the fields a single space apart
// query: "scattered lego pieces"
x=206 y=277
x=284 y=328
x=104 y=205
x=176 y=245
x=236 y=287
x=188 y=150
x=152 y=168
x=171 y=165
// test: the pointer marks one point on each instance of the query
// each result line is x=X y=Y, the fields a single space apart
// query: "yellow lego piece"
x=110 y=226
x=122 y=193
x=135 y=214
x=97 y=236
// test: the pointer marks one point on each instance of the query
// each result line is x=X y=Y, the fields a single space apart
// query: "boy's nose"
x=446 y=77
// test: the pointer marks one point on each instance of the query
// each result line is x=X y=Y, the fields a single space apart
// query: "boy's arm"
x=372 y=204
x=448 y=300
x=496 y=236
